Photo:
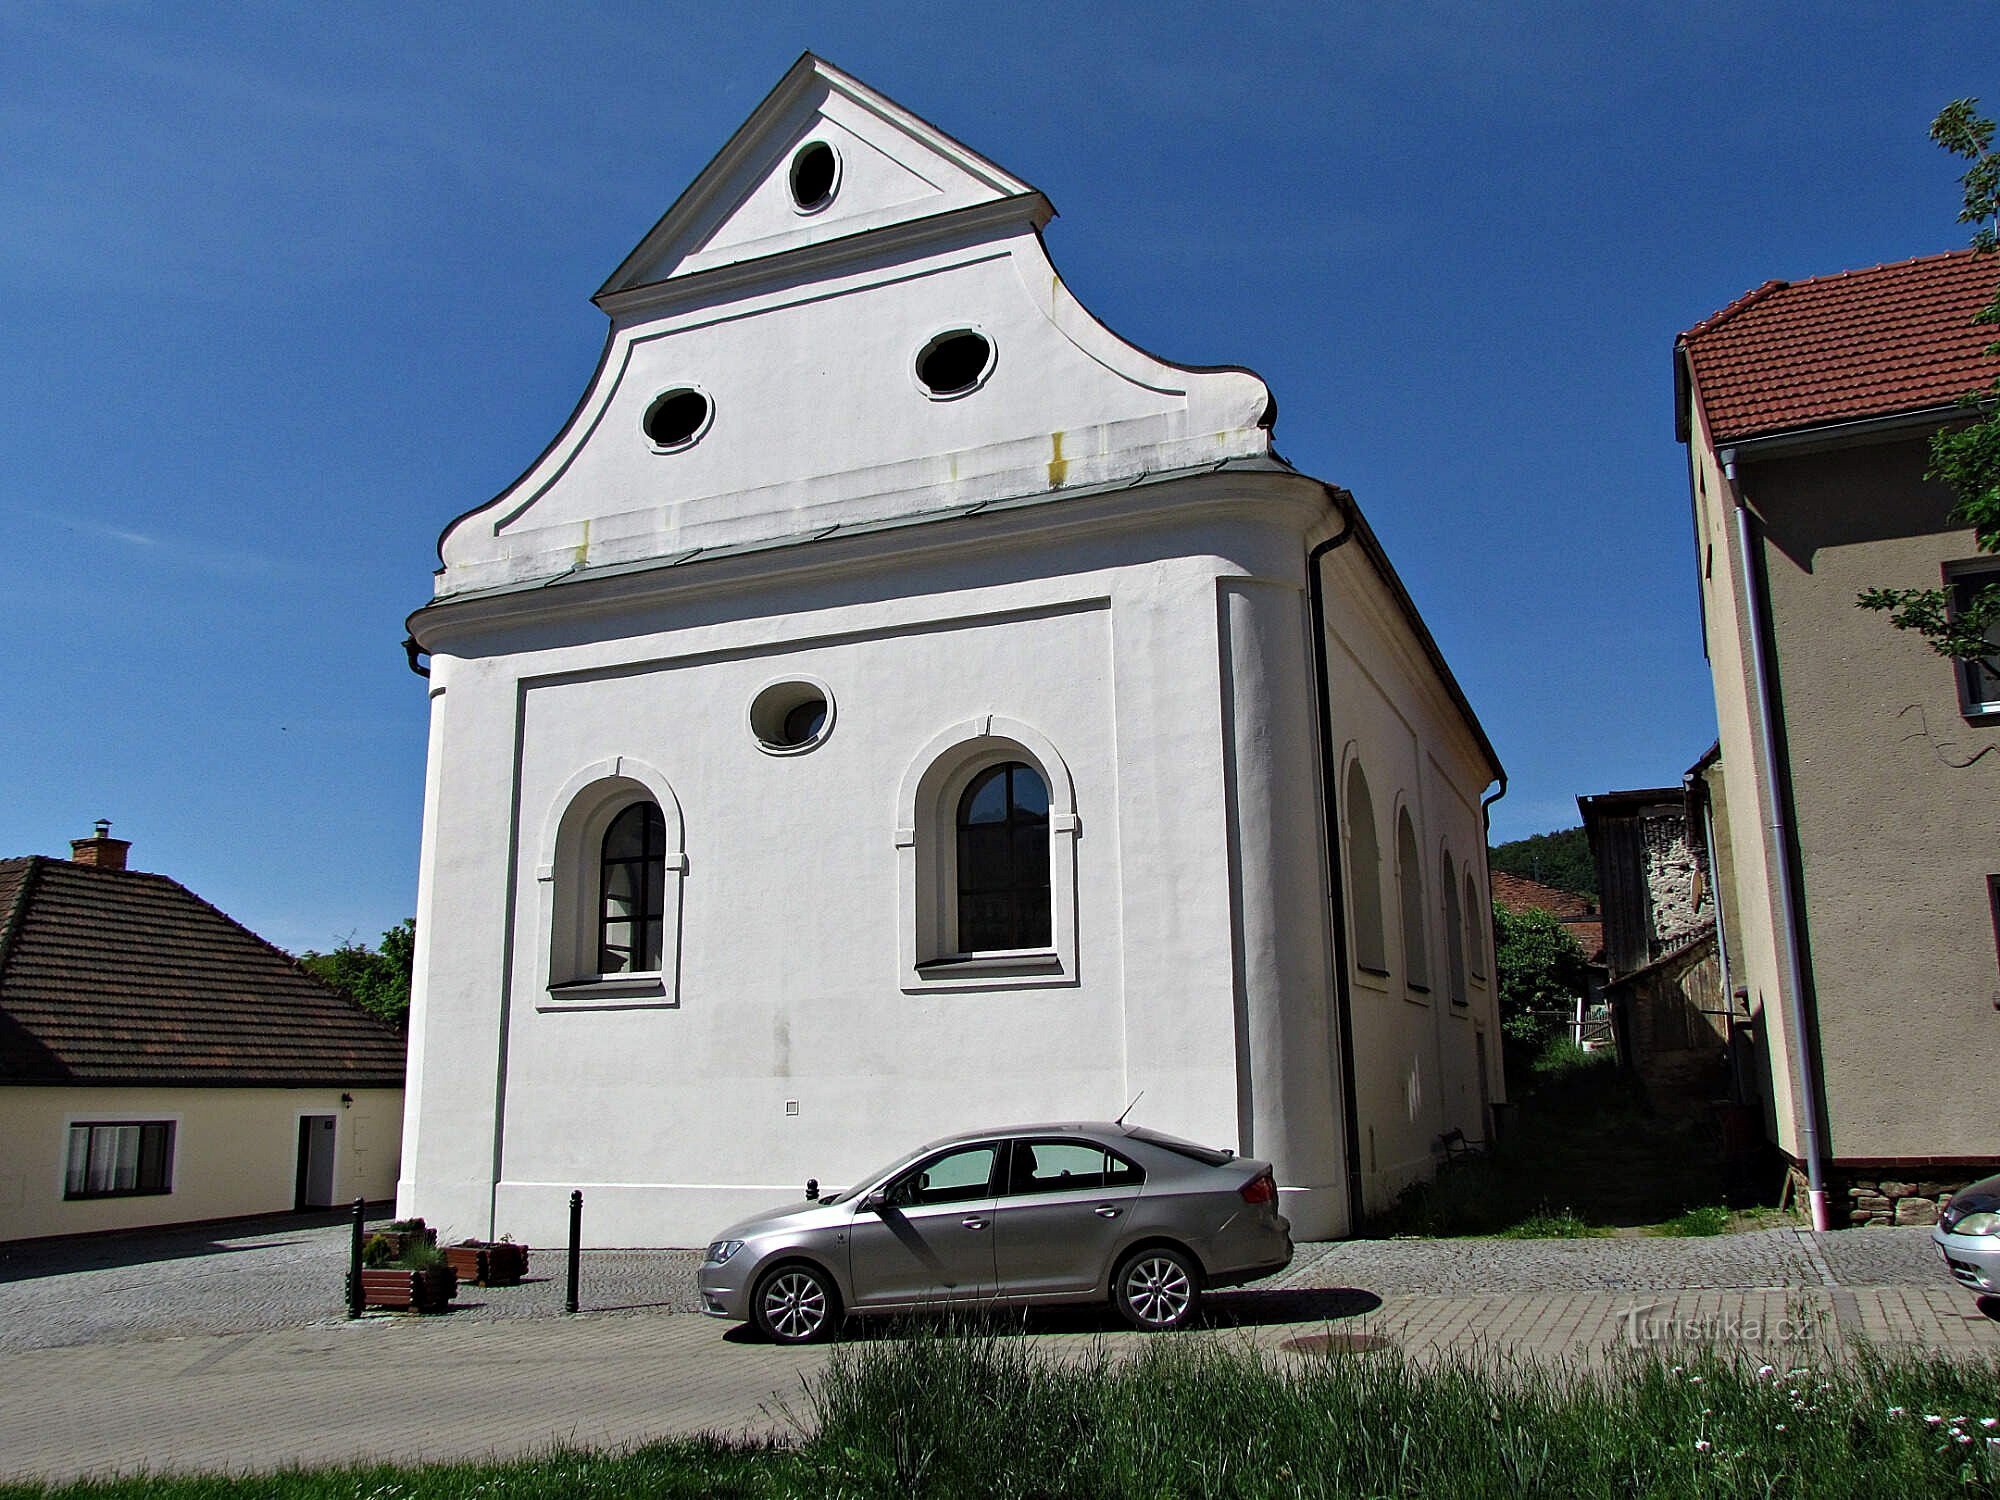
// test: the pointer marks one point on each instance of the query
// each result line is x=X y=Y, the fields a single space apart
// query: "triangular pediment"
x=881 y=166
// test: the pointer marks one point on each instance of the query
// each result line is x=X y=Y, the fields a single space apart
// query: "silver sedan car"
x=1029 y=1214
x=1968 y=1232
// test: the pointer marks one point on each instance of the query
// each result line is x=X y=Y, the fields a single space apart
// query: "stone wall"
x=1871 y=1197
x=1676 y=884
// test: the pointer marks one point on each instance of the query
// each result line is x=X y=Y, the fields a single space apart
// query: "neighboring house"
x=1664 y=973
x=160 y=1064
x=894 y=704
x=1579 y=917
x=1855 y=799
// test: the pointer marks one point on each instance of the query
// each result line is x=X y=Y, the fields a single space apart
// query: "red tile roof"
x=1889 y=339
x=1577 y=913
x=117 y=976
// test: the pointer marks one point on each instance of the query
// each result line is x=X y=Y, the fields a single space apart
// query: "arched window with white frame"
x=986 y=839
x=610 y=878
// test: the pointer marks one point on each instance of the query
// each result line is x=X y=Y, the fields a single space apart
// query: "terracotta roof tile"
x=1577 y=913
x=1868 y=343
x=121 y=976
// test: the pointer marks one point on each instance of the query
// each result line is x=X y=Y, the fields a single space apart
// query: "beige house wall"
x=1896 y=800
x=1746 y=877
x=235 y=1152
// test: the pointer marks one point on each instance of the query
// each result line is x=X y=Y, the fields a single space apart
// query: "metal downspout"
x=1329 y=770
x=1811 y=1130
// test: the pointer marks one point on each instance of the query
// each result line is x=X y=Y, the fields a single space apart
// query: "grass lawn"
x=976 y=1415
x=1581 y=1156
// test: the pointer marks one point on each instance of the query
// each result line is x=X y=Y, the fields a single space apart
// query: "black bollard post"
x=575 y=1246
x=354 y=1261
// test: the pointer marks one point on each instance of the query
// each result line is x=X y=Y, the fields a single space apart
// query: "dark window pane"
x=1030 y=795
x=986 y=799
x=631 y=882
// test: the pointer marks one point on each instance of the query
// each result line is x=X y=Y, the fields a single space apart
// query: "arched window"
x=1003 y=860
x=1364 y=866
x=1454 y=932
x=632 y=887
x=1410 y=883
x=1475 y=936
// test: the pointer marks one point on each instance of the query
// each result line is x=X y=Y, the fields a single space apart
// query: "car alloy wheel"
x=1157 y=1290
x=796 y=1305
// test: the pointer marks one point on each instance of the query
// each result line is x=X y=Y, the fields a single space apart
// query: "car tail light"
x=1262 y=1188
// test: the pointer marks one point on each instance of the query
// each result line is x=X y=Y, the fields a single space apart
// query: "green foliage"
x=377 y=1250
x=1964 y=458
x=1709 y=1219
x=376 y=979
x=1560 y=859
x=1560 y=1058
x=1553 y=1224
x=1542 y=972
x=419 y=1254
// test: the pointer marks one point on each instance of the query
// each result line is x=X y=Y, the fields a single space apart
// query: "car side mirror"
x=874 y=1202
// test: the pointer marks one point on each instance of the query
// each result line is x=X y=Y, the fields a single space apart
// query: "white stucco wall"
x=235 y=1152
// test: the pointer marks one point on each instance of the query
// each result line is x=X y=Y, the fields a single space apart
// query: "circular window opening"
x=677 y=418
x=953 y=363
x=815 y=175
x=788 y=717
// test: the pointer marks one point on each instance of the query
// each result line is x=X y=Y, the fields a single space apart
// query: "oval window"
x=956 y=362
x=788 y=717
x=815 y=175
x=677 y=417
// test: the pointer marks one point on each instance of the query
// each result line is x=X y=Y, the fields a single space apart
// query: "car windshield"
x=1208 y=1156
x=875 y=1176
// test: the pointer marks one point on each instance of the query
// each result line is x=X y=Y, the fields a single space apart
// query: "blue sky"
x=284 y=290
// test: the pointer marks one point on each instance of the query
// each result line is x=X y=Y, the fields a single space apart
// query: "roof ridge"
x=10 y=926
x=1722 y=315
x=1766 y=289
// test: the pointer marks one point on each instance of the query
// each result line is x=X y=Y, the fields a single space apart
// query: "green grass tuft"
x=1709 y=1219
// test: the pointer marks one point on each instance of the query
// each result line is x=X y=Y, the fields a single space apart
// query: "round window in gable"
x=955 y=363
x=792 y=716
x=678 y=417
x=815 y=176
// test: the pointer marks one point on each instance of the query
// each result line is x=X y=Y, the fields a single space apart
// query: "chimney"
x=101 y=849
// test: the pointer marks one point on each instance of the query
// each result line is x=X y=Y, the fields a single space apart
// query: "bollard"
x=354 y=1261
x=575 y=1246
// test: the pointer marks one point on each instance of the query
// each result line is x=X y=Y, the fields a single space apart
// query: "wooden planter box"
x=423 y=1291
x=488 y=1262
x=401 y=1239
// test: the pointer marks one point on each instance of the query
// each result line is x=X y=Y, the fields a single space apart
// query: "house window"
x=632 y=885
x=1978 y=681
x=986 y=861
x=1476 y=929
x=1454 y=932
x=1364 y=870
x=1410 y=885
x=1003 y=860
x=120 y=1159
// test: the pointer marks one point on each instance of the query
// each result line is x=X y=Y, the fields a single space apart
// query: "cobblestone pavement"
x=288 y=1273
x=277 y=1273
x=1760 y=1258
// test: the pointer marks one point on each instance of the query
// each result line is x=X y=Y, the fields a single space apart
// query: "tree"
x=1965 y=458
x=1541 y=972
x=376 y=979
x=1561 y=859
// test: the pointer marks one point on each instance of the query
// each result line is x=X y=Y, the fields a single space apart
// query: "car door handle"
x=974 y=1223
x=1107 y=1211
